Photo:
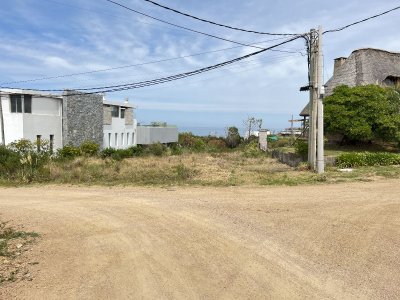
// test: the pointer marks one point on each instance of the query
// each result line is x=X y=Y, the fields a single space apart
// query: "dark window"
x=51 y=143
x=28 y=104
x=16 y=103
x=122 y=113
x=115 y=111
x=38 y=142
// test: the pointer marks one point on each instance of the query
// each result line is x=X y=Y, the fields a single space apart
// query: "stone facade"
x=82 y=118
x=129 y=116
x=107 y=119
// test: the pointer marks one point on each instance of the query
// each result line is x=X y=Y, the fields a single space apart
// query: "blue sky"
x=55 y=37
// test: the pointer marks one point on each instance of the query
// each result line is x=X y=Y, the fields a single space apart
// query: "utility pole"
x=3 y=138
x=312 y=137
x=321 y=92
x=316 y=122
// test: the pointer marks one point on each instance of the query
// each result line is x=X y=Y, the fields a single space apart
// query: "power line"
x=218 y=24
x=135 y=85
x=145 y=63
x=183 y=27
x=363 y=20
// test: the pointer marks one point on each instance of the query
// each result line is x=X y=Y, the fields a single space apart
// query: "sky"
x=47 y=38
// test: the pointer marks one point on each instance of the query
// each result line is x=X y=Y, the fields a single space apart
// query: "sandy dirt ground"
x=308 y=242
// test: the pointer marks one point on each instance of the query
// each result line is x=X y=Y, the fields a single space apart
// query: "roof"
x=305 y=112
x=29 y=92
x=122 y=104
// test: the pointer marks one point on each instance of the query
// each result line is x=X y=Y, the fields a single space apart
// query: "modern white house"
x=72 y=118
x=33 y=116
x=119 y=125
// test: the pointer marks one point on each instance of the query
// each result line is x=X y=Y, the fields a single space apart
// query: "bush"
x=89 y=148
x=357 y=159
x=68 y=152
x=282 y=142
x=252 y=150
x=157 y=149
x=10 y=161
x=302 y=148
x=176 y=149
x=136 y=150
x=216 y=145
x=107 y=152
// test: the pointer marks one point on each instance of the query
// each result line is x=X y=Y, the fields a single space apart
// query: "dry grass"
x=202 y=169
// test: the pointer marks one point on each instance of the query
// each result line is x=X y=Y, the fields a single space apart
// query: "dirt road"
x=314 y=242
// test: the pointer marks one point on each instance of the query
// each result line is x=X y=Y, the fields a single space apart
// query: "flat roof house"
x=70 y=118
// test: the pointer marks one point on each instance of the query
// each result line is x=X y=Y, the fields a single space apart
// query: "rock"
x=19 y=246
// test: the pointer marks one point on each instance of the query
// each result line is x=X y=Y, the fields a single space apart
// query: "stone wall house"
x=363 y=67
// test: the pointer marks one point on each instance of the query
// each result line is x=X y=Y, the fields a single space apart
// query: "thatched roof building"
x=362 y=67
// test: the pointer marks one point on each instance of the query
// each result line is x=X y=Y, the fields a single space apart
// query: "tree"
x=233 y=137
x=251 y=124
x=363 y=113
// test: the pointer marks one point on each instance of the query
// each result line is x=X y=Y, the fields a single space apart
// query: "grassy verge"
x=198 y=169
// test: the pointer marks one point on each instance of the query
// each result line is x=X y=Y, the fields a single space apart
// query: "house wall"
x=45 y=120
x=82 y=118
x=147 y=135
x=118 y=135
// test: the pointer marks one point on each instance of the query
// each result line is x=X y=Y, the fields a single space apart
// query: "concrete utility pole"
x=3 y=138
x=321 y=92
x=316 y=123
x=312 y=136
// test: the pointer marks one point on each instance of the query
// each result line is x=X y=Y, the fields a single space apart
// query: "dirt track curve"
x=310 y=242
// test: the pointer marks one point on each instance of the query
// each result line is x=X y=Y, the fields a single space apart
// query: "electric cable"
x=361 y=21
x=217 y=24
x=183 y=27
x=135 y=85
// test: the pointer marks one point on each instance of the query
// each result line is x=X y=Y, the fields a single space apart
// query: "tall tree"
x=363 y=113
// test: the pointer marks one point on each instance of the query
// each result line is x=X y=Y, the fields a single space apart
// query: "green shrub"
x=301 y=148
x=136 y=150
x=68 y=152
x=282 y=142
x=252 y=150
x=89 y=148
x=157 y=149
x=216 y=145
x=10 y=162
x=176 y=149
x=107 y=152
x=357 y=159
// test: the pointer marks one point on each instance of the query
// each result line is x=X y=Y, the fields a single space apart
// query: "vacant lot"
x=328 y=241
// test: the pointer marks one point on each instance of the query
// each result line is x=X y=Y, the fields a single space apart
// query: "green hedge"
x=357 y=159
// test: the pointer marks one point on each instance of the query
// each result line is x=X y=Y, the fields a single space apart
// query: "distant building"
x=363 y=67
x=72 y=118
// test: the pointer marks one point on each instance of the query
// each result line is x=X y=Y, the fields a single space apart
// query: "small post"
x=3 y=138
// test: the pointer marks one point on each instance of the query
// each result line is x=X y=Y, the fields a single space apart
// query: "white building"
x=62 y=119
x=74 y=117
x=31 y=116
x=119 y=125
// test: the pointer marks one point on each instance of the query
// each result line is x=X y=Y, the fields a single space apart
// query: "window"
x=109 y=140
x=16 y=103
x=116 y=140
x=115 y=111
x=51 y=143
x=133 y=138
x=122 y=113
x=127 y=138
x=122 y=139
x=28 y=104
x=38 y=142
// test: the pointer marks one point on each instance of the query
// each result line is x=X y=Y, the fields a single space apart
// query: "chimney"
x=338 y=63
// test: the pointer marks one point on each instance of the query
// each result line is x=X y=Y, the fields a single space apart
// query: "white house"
x=69 y=118
x=74 y=117
x=31 y=115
